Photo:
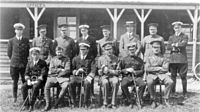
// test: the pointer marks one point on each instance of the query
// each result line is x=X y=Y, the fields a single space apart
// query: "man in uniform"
x=129 y=65
x=44 y=43
x=36 y=71
x=18 y=52
x=178 y=57
x=106 y=37
x=157 y=67
x=59 y=73
x=107 y=68
x=127 y=38
x=86 y=37
x=146 y=46
x=84 y=69
x=66 y=42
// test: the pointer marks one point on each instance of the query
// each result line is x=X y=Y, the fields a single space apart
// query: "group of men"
x=72 y=65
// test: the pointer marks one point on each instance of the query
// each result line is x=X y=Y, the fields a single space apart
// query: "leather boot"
x=47 y=107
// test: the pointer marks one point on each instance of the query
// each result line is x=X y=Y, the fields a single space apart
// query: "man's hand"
x=106 y=70
x=89 y=79
x=29 y=82
x=80 y=70
x=40 y=78
x=131 y=70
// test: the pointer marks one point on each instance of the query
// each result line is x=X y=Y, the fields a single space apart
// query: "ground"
x=191 y=104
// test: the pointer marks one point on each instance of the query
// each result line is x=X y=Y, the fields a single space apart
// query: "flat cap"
x=34 y=50
x=63 y=25
x=107 y=43
x=84 y=44
x=105 y=27
x=155 y=41
x=131 y=45
x=153 y=24
x=177 y=23
x=84 y=26
x=19 y=26
x=130 y=24
x=42 y=26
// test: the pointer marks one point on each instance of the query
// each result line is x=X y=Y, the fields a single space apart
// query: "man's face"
x=59 y=52
x=106 y=33
x=35 y=56
x=177 y=28
x=108 y=51
x=156 y=48
x=130 y=29
x=84 y=50
x=19 y=32
x=132 y=51
x=43 y=32
x=63 y=31
x=152 y=30
x=84 y=31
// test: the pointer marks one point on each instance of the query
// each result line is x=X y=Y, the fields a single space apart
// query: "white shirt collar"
x=177 y=33
x=35 y=62
x=85 y=38
x=83 y=57
x=19 y=38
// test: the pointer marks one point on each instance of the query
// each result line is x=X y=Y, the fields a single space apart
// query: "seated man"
x=107 y=65
x=129 y=65
x=84 y=68
x=157 y=67
x=36 y=71
x=59 y=73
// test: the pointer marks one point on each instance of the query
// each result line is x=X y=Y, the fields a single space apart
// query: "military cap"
x=153 y=24
x=84 y=26
x=155 y=41
x=84 y=44
x=42 y=26
x=62 y=25
x=132 y=45
x=107 y=44
x=19 y=26
x=130 y=24
x=105 y=27
x=177 y=23
x=34 y=50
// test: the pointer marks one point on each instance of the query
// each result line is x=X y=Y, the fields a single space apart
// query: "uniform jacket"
x=40 y=69
x=147 y=48
x=93 y=46
x=88 y=64
x=111 y=61
x=56 y=64
x=46 y=46
x=103 y=40
x=68 y=44
x=133 y=62
x=124 y=40
x=181 y=55
x=18 y=51
x=156 y=65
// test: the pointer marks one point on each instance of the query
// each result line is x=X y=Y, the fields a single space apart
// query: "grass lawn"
x=192 y=104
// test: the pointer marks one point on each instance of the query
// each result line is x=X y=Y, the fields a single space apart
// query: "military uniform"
x=59 y=73
x=178 y=58
x=138 y=65
x=18 y=52
x=33 y=72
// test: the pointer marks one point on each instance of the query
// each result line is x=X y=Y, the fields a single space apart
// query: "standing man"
x=106 y=37
x=18 y=52
x=84 y=69
x=129 y=65
x=86 y=37
x=35 y=74
x=44 y=43
x=178 y=57
x=127 y=38
x=59 y=73
x=157 y=67
x=107 y=68
x=146 y=46
x=66 y=42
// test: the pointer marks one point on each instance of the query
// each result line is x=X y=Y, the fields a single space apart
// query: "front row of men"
x=83 y=72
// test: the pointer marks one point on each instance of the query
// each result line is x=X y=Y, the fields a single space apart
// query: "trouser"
x=182 y=69
x=35 y=91
x=128 y=81
x=53 y=82
x=15 y=72
x=151 y=82
x=76 y=82
x=106 y=83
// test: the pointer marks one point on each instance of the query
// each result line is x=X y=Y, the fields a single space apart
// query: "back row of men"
x=52 y=63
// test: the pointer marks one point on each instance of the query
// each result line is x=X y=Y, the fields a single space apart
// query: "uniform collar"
x=86 y=37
